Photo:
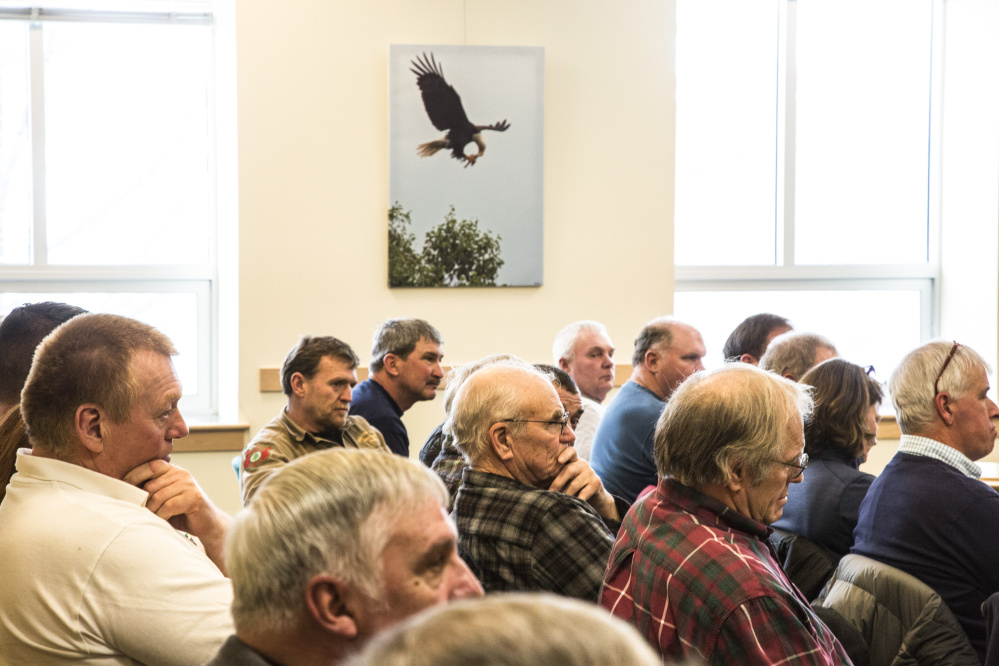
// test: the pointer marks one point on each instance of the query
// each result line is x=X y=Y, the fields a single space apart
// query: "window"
x=107 y=170
x=807 y=164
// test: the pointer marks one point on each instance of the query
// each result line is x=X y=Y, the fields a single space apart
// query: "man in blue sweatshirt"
x=928 y=513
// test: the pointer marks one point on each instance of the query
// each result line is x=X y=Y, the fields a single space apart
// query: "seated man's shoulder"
x=360 y=434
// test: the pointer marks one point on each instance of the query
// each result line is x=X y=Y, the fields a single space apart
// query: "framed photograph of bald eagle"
x=466 y=166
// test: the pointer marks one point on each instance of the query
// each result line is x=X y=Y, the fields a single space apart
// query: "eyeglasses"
x=869 y=370
x=561 y=422
x=936 y=384
x=800 y=465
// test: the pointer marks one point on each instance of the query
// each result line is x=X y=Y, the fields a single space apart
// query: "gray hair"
x=657 y=333
x=511 y=630
x=458 y=375
x=400 y=337
x=330 y=512
x=565 y=341
x=911 y=384
x=734 y=414
x=794 y=353
x=488 y=396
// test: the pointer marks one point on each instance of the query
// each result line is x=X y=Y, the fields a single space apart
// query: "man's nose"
x=465 y=583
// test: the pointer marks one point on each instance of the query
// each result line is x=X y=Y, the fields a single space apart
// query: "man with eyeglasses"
x=527 y=521
x=928 y=513
x=692 y=568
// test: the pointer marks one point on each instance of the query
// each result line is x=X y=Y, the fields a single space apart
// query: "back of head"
x=793 y=354
x=458 y=375
x=399 y=337
x=750 y=337
x=492 y=394
x=657 y=333
x=912 y=383
x=560 y=378
x=843 y=394
x=511 y=630
x=330 y=512
x=564 y=345
x=86 y=360
x=735 y=413
x=308 y=352
x=20 y=333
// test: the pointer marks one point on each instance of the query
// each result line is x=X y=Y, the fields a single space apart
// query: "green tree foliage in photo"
x=454 y=254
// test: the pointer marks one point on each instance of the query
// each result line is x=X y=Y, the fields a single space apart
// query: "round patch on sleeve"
x=256 y=456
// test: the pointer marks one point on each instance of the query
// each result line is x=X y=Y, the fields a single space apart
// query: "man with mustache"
x=405 y=369
x=527 y=521
x=318 y=376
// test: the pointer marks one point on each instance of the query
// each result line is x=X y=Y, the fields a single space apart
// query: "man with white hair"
x=335 y=547
x=585 y=351
x=928 y=513
x=692 y=567
x=527 y=521
x=666 y=353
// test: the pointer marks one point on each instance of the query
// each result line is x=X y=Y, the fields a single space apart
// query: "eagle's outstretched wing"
x=440 y=99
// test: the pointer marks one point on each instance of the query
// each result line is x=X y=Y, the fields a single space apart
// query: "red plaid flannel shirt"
x=700 y=581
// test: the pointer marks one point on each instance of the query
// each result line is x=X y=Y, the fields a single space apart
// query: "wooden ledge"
x=213 y=437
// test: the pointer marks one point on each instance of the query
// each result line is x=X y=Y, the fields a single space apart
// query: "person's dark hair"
x=20 y=333
x=562 y=378
x=750 y=337
x=843 y=393
x=400 y=337
x=13 y=436
x=306 y=355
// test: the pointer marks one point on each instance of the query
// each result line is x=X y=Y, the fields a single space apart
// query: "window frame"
x=41 y=278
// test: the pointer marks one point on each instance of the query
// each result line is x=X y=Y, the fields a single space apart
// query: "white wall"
x=313 y=184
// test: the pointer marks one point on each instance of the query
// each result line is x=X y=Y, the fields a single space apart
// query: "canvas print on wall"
x=466 y=156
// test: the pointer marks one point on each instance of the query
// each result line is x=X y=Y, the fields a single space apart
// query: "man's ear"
x=944 y=408
x=500 y=441
x=298 y=384
x=652 y=359
x=331 y=603
x=737 y=478
x=391 y=363
x=748 y=358
x=88 y=422
x=564 y=364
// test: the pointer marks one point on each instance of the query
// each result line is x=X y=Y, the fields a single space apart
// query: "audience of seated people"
x=527 y=521
x=120 y=554
x=928 y=513
x=666 y=353
x=318 y=377
x=405 y=369
x=691 y=567
x=841 y=431
x=750 y=339
x=335 y=547
x=585 y=351
x=793 y=354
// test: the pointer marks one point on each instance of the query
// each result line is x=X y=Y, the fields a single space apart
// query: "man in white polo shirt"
x=111 y=554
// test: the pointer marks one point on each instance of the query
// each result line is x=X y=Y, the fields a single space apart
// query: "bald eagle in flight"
x=444 y=107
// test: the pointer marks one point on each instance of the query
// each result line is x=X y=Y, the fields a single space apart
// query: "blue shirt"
x=622 y=447
x=825 y=506
x=373 y=402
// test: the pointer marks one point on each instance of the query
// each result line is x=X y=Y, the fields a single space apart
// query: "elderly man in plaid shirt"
x=692 y=567
x=526 y=520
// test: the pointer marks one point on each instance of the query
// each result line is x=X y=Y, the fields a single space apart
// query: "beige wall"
x=313 y=184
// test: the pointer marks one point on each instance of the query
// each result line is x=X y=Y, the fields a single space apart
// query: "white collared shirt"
x=931 y=448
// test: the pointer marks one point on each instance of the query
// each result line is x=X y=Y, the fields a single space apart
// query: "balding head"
x=667 y=351
x=793 y=354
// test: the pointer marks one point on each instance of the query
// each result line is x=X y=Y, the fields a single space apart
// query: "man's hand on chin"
x=176 y=497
